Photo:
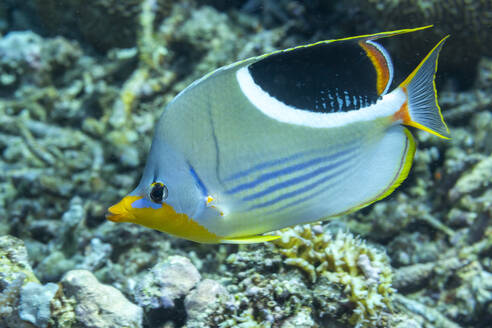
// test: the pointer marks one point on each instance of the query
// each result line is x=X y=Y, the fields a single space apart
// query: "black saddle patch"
x=326 y=77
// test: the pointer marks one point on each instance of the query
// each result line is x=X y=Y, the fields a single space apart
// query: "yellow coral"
x=363 y=271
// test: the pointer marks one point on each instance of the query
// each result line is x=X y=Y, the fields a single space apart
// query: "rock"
x=96 y=254
x=474 y=181
x=204 y=298
x=35 y=303
x=13 y=260
x=53 y=266
x=99 y=305
x=26 y=57
x=62 y=311
x=301 y=320
x=86 y=20
x=167 y=282
x=15 y=271
x=20 y=52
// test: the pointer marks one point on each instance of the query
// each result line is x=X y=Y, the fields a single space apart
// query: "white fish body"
x=239 y=161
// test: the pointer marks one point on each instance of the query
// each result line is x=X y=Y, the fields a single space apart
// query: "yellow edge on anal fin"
x=402 y=175
x=405 y=170
x=249 y=239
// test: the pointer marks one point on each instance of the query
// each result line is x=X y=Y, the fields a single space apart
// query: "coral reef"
x=166 y=282
x=466 y=21
x=437 y=228
x=15 y=272
x=9 y=300
x=84 y=20
x=203 y=301
x=14 y=261
x=363 y=272
x=35 y=303
x=99 y=305
x=81 y=87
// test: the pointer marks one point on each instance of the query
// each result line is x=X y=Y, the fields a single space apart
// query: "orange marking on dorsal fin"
x=380 y=64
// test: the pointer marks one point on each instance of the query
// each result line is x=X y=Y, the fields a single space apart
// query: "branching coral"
x=362 y=270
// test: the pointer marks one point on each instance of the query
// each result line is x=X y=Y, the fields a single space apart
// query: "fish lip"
x=114 y=217
x=119 y=212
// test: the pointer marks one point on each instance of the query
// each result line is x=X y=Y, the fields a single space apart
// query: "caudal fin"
x=421 y=109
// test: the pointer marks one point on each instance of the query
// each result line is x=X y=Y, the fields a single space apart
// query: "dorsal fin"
x=328 y=76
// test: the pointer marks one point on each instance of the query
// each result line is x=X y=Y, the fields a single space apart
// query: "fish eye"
x=158 y=193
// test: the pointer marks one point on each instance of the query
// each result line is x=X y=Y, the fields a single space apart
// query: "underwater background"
x=82 y=84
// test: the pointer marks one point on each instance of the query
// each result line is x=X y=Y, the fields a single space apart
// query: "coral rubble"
x=362 y=271
x=82 y=84
x=99 y=305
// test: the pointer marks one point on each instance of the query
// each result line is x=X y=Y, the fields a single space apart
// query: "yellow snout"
x=122 y=211
x=163 y=218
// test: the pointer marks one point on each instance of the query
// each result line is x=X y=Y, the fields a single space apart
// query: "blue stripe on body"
x=275 y=174
x=295 y=192
x=264 y=165
x=296 y=180
x=303 y=199
x=198 y=181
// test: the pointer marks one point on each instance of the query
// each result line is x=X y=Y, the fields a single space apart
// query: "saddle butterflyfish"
x=290 y=137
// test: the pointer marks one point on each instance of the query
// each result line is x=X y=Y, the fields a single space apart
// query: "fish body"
x=281 y=139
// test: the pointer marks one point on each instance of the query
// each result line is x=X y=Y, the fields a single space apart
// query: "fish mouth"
x=120 y=212
x=115 y=217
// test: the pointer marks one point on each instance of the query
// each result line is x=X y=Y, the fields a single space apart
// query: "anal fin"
x=249 y=239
